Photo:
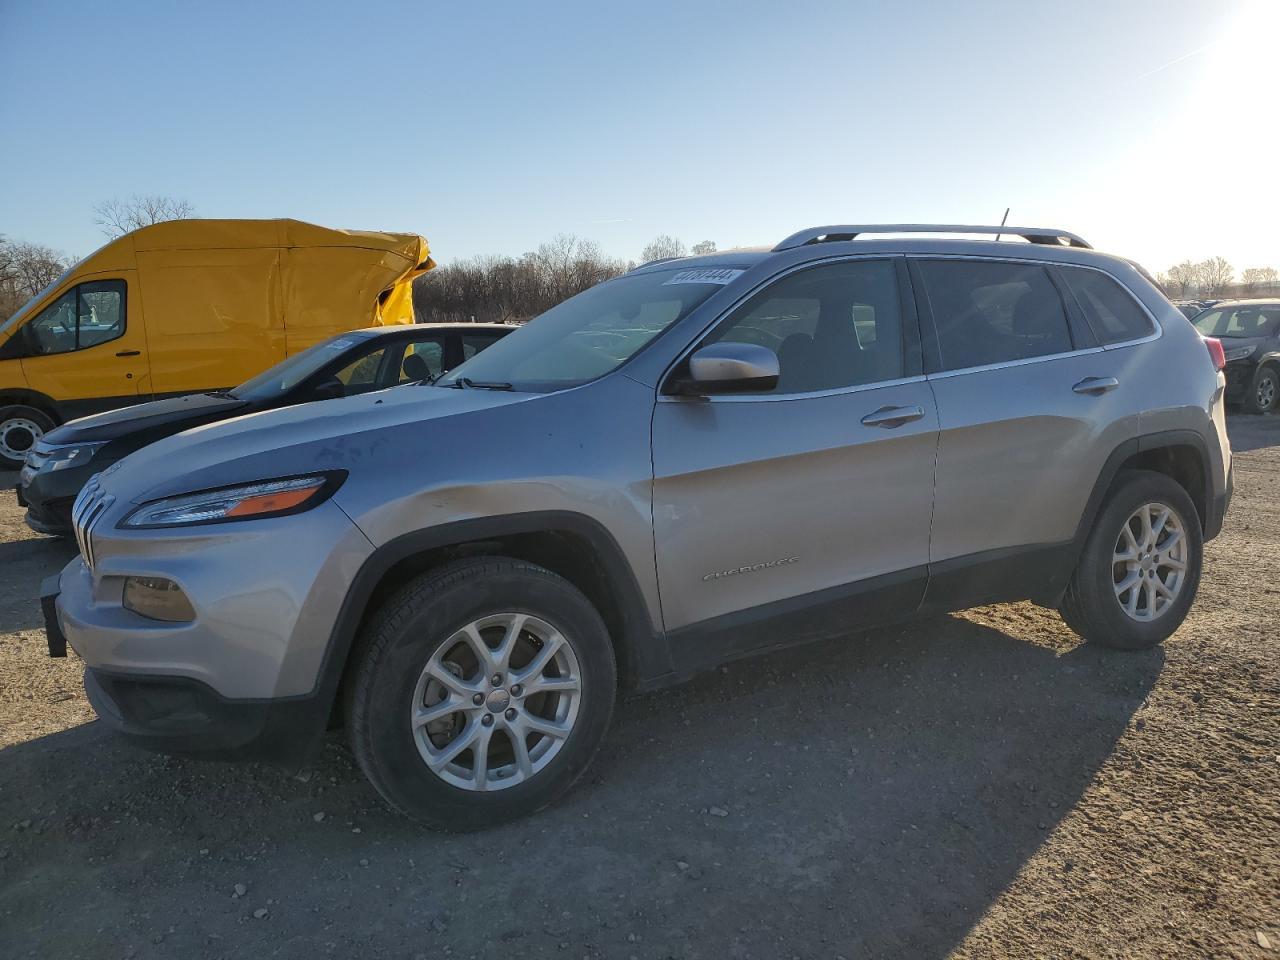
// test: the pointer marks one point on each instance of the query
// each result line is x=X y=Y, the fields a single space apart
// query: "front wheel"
x=1140 y=568
x=484 y=690
x=1264 y=391
x=20 y=427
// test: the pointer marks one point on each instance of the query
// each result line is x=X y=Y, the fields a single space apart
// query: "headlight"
x=71 y=455
x=1239 y=353
x=267 y=498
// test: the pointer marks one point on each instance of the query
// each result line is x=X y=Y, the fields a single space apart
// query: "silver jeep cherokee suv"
x=702 y=459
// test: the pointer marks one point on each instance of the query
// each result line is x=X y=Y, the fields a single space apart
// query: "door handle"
x=890 y=417
x=129 y=353
x=1096 y=386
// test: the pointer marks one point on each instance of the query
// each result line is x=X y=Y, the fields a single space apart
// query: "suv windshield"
x=1248 y=321
x=288 y=373
x=591 y=334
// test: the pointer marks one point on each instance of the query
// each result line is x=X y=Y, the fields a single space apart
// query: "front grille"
x=86 y=513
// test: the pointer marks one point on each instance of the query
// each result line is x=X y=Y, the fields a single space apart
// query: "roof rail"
x=1046 y=235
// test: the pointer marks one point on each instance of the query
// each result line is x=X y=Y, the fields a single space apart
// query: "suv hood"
x=309 y=437
x=169 y=416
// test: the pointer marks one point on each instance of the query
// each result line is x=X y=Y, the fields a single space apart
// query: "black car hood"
x=150 y=421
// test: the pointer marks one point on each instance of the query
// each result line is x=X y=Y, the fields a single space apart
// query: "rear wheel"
x=484 y=691
x=1264 y=392
x=20 y=428
x=1140 y=568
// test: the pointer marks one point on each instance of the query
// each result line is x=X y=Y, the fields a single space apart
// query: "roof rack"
x=1045 y=235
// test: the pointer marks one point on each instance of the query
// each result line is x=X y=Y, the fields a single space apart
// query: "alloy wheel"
x=1266 y=392
x=496 y=702
x=1149 y=562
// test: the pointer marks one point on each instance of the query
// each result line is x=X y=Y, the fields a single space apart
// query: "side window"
x=422 y=360
x=990 y=312
x=85 y=316
x=1112 y=312
x=836 y=325
x=473 y=343
x=362 y=374
x=53 y=329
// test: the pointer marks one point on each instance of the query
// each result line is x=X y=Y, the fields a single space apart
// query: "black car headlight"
x=64 y=456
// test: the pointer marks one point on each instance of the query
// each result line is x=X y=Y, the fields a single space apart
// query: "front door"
x=803 y=511
x=87 y=350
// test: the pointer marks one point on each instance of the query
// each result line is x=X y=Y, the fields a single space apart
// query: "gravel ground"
x=978 y=785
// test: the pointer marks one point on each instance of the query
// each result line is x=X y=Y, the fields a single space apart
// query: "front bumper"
x=180 y=715
x=242 y=678
x=48 y=496
x=177 y=714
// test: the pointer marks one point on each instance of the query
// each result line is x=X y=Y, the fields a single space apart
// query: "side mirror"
x=330 y=389
x=729 y=368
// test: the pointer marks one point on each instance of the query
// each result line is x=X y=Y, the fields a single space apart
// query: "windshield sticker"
x=705 y=275
x=340 y=344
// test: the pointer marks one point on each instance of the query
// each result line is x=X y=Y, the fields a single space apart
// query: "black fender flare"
x=1125 y=452
x=640 y=648
x=32 y=398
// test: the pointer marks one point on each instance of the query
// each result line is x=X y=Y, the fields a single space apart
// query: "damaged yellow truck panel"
x=195 y=305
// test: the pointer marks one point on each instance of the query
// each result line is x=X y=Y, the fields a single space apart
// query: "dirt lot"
x=977 y=785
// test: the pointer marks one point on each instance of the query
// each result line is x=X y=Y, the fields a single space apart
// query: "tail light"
x=1216 y=353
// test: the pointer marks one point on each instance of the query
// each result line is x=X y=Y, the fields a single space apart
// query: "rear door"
x=803 y=511
x=87 y=350
x=1029 y=408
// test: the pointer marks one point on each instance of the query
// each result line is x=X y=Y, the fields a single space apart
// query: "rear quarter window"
x=1111 y=310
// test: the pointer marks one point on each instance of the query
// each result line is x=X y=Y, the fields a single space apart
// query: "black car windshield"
x=591 y=334
x=1252 y=320
x=276 y=381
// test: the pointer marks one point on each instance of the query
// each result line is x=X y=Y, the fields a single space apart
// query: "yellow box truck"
x=189 y=306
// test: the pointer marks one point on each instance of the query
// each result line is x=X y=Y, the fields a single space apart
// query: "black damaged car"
x=1250 y=335
x=64 y=459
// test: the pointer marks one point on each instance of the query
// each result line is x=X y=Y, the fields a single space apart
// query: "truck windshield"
x=591 y=334
x=1250 y=321
x=288 y=373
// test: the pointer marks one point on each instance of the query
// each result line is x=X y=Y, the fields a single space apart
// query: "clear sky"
x=1147 y=126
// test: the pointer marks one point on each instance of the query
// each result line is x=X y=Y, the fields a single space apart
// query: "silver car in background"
x=705 y=458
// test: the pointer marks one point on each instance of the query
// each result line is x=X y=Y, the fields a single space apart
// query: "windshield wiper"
x=461 y=382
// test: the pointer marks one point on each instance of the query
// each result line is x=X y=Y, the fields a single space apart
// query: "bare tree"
x=509 y=289
x=117 y=217
x=661 y=247
x=1256 y=276
x=25 y=270
x=1214 y=275
x=704 y=247
x=36 y=266
x=1181 y=276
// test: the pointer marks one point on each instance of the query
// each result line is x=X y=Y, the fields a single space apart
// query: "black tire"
x=397 y=644
x=1090 y=606
x=1263 y=392
x=18 y=439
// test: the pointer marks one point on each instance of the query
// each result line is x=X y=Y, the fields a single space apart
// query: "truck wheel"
x=1263 y=393
x=1140 y=568
x=484 y=690
x=20 y=428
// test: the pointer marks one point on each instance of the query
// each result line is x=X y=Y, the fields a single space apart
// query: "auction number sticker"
x=704 y=275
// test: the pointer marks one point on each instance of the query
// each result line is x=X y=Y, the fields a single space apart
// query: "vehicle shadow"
x=1248 y=432
x=23 y=565
x=870 y=796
